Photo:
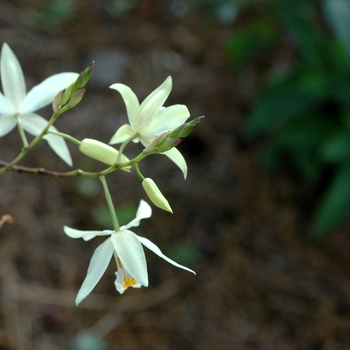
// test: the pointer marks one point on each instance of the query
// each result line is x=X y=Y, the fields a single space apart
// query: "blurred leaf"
x=299 y=17
x=86 y=340
x=337 y=13
x=184 y=254
x=54 y=13
x=291 y=96
x=335 y=204
x=337 y=149
x=87 y=187
x=227 y=11
x=244 y=44
x=101 y=216
x=125 y=213
x=302 y=139
x=120 y=8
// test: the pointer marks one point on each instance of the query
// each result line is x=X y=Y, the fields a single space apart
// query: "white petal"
x=97 y=267
x=167 y=119
x=12 y=77
x=85 y=235
x=130 y=252
x=144 y=211
x=130 y=99
x=176 y=157
x=59 y=146
x=123 y=281
x=152 y=105
x=43 y=94
x=34 y=124
x=5 y=105
x=7 y=123
x=150 y=245
x=122 y=134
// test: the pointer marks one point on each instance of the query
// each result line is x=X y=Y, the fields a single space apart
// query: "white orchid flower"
x=127 y=249
x=17 y=107
x=150 y=119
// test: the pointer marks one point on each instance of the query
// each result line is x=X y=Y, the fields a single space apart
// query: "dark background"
x=263 y=282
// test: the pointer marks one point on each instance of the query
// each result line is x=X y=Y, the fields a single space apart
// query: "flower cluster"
x=158 y=128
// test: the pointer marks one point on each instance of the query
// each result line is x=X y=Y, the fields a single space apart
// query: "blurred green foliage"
x=52 y=14
x=125 y=213
x=304 y=107
x=86 y=340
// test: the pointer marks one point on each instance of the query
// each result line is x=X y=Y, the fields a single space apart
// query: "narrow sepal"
x=97 y=267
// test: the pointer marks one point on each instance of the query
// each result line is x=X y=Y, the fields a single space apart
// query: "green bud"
x=83 y=77
x=152 y=146
x=167 y=144
x=76 y=97
x=74 y=93
x=155 y=195
x=185 y=129
x=162 y=143
x=102 y=152
x=56 y=103
x=66 y=95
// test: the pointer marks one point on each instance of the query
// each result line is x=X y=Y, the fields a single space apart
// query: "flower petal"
x=150 y=245
x=97 y=267
x=167 y=119
x=123 y=281
x=12 y=77
x=130 y=99
x=5 y=105
x=123 y=133
x=176 y=157
x=144 y=211
x=7 y=123
x=85 y=235
x=59 y=146
x=43 y=94
x=34 y=124
x=130 y=252
x=151 y=106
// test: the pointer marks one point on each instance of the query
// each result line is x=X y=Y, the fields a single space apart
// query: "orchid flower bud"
x=155 y=195
x=185 y=129
x=100 y=151
x=74 y=93
x=162 y=143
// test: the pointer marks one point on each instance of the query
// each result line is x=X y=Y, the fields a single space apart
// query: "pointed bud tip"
x=155 y=195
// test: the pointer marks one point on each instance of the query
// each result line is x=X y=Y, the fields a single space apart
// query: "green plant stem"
x=122 y=147
x=110 y=204
x=8 y=166
x=65 y=136
x=138 y=172
x=21 y=133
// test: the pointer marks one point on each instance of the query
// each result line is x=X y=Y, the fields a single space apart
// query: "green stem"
x=122 y=147
x=138 y=172
x=110 y=204
x=65 y=136
x=21 y=133
x=6 y=166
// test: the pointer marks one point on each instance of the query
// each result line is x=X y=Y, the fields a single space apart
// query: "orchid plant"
x=159 y=129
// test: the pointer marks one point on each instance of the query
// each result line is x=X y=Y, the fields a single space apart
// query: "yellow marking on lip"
x=129 y=282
